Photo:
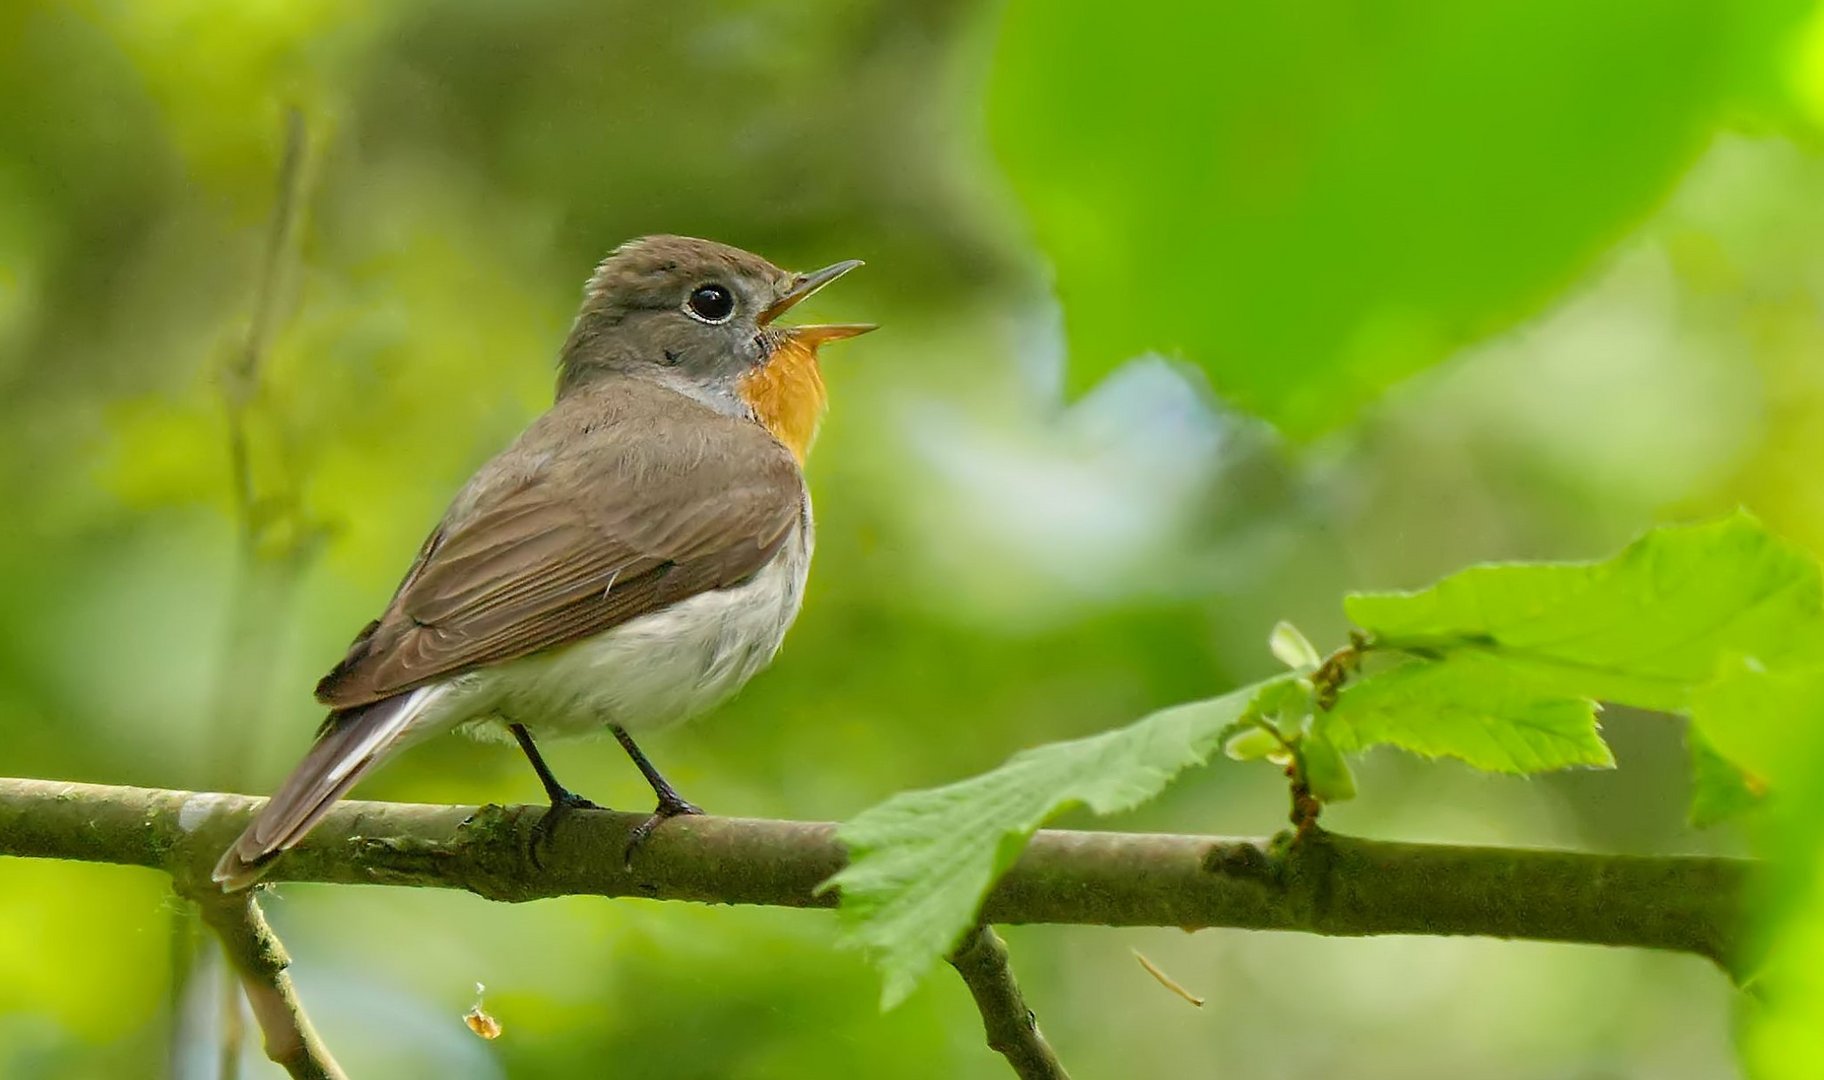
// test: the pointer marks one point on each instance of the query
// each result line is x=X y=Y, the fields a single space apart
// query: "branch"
x=1012 y=1030
x=260 y=961
x=1323 y=884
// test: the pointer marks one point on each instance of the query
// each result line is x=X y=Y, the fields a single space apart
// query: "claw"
x=667 y=809
x=566 y=803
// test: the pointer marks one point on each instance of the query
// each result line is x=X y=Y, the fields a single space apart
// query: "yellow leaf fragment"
x=1166 y=980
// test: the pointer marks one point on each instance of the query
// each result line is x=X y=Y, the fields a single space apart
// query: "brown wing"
x=625 y=519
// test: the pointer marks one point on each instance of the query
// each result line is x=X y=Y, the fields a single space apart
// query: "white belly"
x=645 y=674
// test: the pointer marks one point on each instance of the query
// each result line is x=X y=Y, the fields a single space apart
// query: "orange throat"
x=787 y=394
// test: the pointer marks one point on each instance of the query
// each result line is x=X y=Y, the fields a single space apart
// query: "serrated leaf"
x=1643 y=628
x=921 y=862
x=1469 y=705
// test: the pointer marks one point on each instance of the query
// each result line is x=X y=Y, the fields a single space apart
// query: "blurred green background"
x=1195 y=316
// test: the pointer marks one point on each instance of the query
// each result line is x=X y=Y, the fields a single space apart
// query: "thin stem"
x=260 y=960
x=1011 y=1028
x=241 y=377
x=234 y=1026
x=265 y=582
x=188 y=961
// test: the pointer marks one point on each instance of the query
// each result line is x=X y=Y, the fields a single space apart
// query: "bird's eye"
x=711 y=303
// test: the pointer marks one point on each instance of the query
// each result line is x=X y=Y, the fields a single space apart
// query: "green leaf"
x=1252 y=743
x=1720 y=790
x=1291 y=648
x=1326 y=773
x=1771 y=723
x=1469 y=705
x=1642 y=629
x=1766 y=723
x=1296 y=197
x=1285 y=703
x=921 y=862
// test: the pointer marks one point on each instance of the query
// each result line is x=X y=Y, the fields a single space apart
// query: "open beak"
x=802 y=288
x=817 y=335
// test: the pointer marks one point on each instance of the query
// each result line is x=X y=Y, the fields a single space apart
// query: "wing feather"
x=597 y=516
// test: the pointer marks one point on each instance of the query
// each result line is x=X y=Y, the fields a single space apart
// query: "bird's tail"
x=352 y=742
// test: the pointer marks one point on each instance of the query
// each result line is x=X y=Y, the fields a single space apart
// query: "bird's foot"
x=563 y=803
x=671 y=805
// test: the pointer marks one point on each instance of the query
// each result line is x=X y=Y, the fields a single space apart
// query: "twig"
x=1012 y=1029
x=260 y=961
x=234 y=1028
x=264 y=581
x=266 y=575
x=241 y=374
x=1327 y=683
x=1324 y=884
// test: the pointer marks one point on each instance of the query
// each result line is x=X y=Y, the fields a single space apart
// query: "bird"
x=629 y=562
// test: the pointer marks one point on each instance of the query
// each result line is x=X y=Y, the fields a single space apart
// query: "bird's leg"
x=560 y=796
x=671 y=804
x=563 y=800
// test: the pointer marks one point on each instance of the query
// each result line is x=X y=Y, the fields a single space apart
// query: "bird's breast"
x=661 y=668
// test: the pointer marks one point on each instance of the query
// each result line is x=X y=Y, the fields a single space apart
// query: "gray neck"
x=718 y=394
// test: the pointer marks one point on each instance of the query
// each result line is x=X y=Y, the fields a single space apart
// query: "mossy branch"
x=1011 y=1028
x=1322 y=884
x=1316 y=882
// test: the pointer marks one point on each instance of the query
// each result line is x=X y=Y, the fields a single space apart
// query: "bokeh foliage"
x=1600 y=223
x=1289 y=195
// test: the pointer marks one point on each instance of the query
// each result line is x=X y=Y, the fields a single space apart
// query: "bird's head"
x=700 y=316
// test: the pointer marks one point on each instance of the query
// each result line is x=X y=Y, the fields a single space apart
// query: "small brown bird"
x=632 y=560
